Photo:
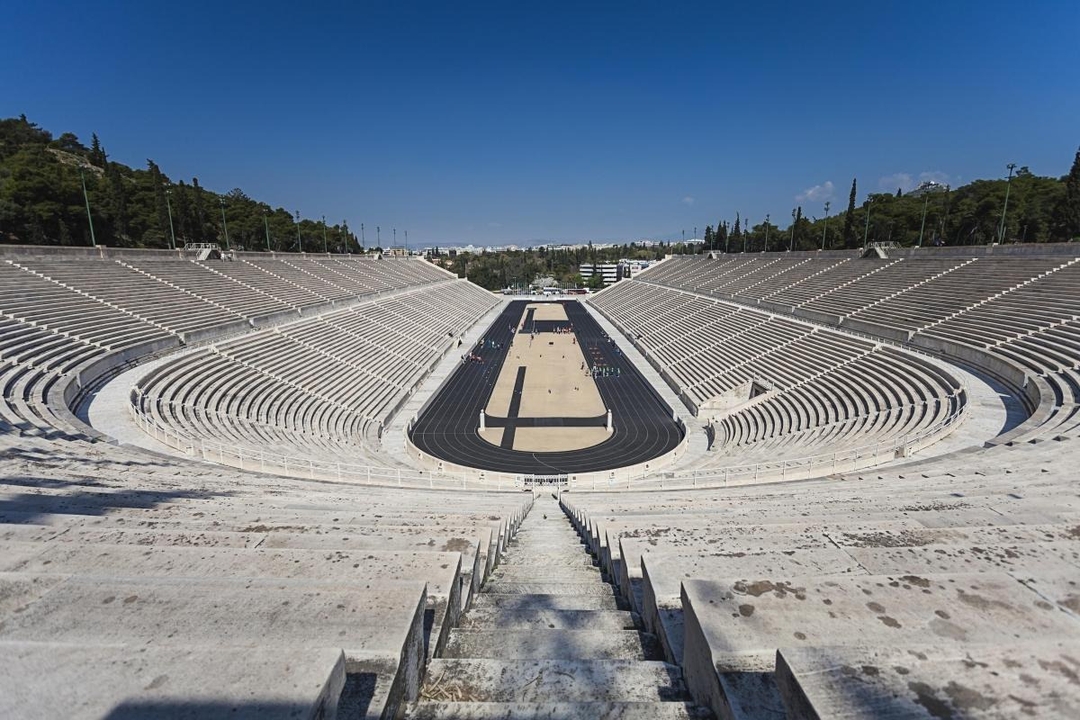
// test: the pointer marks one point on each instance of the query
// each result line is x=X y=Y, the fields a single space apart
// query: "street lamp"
x=86 y=197
x=922 y=227
x=324 y=245
x=168 y=206
x=378 y=236
x=825 y=231
x=362 y=236
x=766 y=233
x=224 y=223
x=791 y=241
x=406 y=242
x=299 y=240
x=866 y=230
x=266 y=224
x=1005 y=208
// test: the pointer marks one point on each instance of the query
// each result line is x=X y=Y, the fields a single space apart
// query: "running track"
x=448 y=428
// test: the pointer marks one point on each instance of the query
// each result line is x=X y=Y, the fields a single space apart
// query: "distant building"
x=612 y=272
x=928 y=187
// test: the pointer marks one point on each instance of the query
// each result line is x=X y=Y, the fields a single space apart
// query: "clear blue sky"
x=522 y=122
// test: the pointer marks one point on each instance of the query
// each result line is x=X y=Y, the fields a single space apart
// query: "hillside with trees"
x=42 y=201
x=1040 y=210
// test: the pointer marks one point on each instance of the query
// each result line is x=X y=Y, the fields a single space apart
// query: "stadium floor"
x=448 y=428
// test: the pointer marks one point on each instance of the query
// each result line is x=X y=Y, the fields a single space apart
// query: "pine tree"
x=97 y=153
x=1070 y=206
x=849 y=218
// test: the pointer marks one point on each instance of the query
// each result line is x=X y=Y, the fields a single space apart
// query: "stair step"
x=550 y=710
x=576 y=558
x=559 y=573
x=491 y=618
x=552 y=644
x=506 y=681
x=518 y=601
x=573 y=589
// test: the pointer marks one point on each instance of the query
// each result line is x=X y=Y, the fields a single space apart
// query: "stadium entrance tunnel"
x=545 y=392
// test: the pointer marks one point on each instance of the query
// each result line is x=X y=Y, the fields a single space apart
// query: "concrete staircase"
x=547 y=638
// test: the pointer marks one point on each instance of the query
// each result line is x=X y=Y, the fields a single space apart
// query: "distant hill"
x=42 y=202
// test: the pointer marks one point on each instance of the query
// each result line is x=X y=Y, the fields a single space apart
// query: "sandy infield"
x=555 y=386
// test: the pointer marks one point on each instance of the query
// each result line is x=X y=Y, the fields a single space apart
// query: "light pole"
x=791 y=242
x=362 y=236
x=378 y=236
x=224 y=223
x=1005 y=208
x=922 y=227
x=345 y=235
x=299 y=240
x=825 y=230
x=168 y=206
x=266 y=224
x=82 y=179
x=766 y=233
x=324 y=245
x=406 y=242
x=395 y=237
x=866 y=230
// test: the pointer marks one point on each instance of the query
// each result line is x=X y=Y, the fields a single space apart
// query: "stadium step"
x=546 y=637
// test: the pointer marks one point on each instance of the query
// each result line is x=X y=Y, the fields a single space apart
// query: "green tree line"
x=1040 y=209
x=42 y=202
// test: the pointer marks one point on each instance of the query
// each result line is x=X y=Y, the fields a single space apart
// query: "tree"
x=1070 y=204
x=849 y=218
x=157 y=185
x=97 y=153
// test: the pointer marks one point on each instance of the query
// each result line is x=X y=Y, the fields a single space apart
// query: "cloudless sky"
x=521 y=122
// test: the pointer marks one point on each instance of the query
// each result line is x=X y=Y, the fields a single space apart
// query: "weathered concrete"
x=251 y=612
x=43 y=681
x=1007 y=681
x=733 y=628
x=365 y=570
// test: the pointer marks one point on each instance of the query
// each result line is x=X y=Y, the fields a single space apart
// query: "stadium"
x=789 y=484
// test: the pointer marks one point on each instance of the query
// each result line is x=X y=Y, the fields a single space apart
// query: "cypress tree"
x=1071 y=203
x=849 y=218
